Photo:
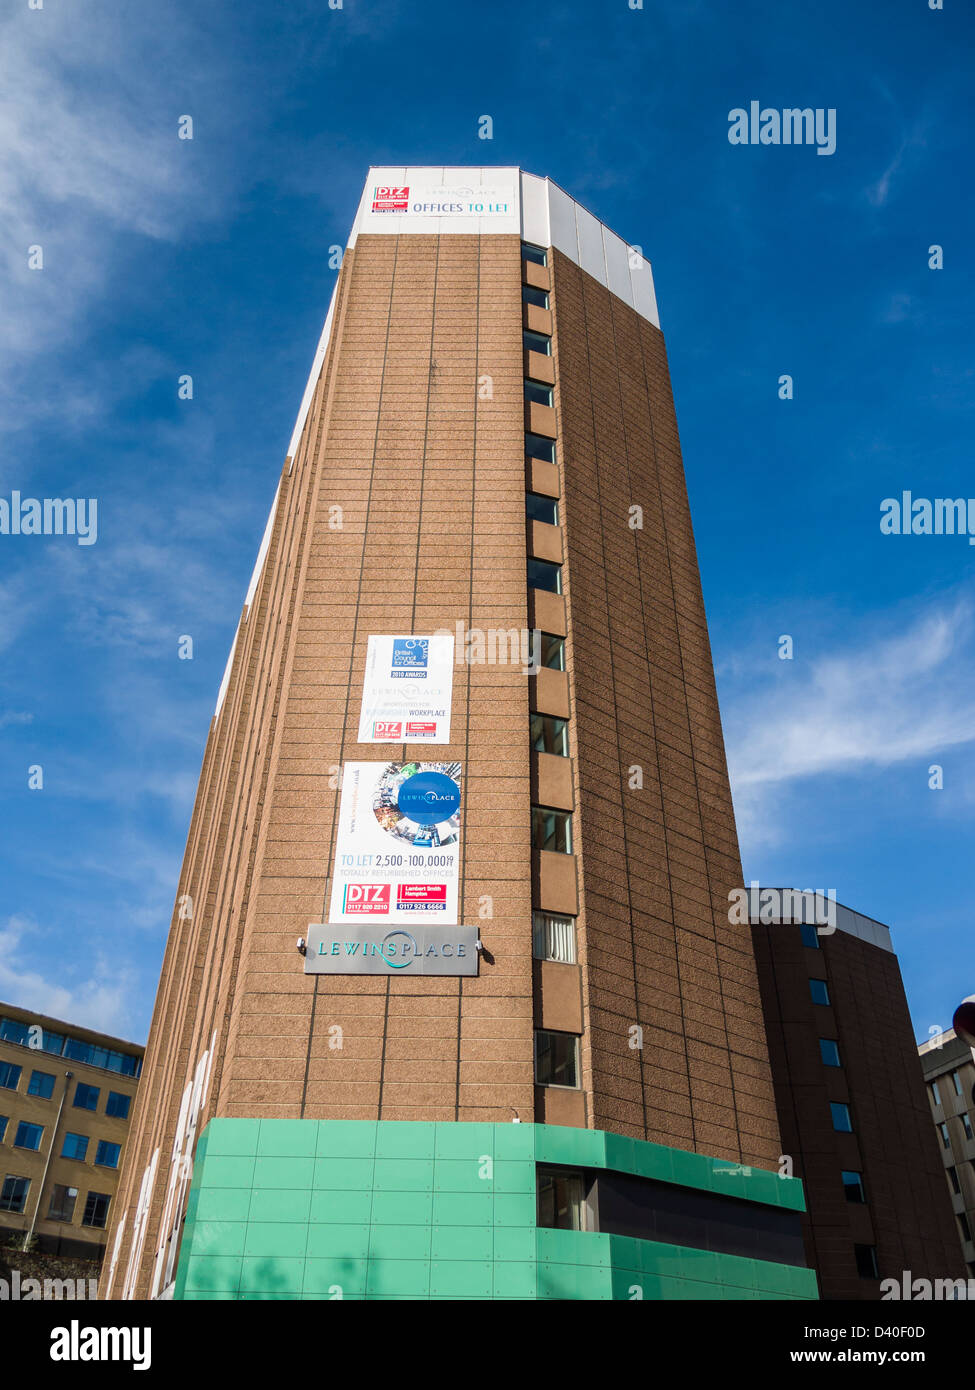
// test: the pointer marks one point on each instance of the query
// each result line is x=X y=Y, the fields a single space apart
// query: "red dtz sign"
x=390 y=199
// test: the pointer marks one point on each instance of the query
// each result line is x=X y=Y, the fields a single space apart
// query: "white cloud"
x=102 y=1000
x=876 y=703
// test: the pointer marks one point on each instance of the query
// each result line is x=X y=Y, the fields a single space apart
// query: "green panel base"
x=329 y=1209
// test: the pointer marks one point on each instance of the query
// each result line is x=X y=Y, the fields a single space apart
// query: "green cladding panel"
x=329 y=1209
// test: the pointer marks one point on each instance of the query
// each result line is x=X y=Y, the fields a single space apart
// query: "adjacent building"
x=451 y=1004
x=854 y=1117
x=949 y=1075
x=66 y=1096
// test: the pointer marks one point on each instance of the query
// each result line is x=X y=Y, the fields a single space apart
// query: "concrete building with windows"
x=949 y=1075
x=66 y=1097
x=451 y=1004
x=852 y=1110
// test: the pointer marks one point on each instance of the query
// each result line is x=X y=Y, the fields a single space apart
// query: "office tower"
x=65 y=1097
x=850 y=1095
x=949 y=1075
x=455 y=895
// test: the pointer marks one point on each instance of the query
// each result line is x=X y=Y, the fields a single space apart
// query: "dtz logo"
x=366 y=898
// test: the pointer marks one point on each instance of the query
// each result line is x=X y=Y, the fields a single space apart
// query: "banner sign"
x=397 y=854
x=372 y=950
x=406 y=690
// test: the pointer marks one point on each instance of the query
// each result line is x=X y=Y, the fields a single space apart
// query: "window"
x=28 y=1136
x=809 y=935
x=551 y=830
x=530 y=295
x=86 y=1097
x=537 y=447
x=853 y=1186
x=966 y=1230
x=539 y=508
x=549 y=735
x=75 y=1146
x=96 y=1209
x=956 y=1082
x=106 y=1155
x=4 y=1121
x=536 y=254
x=953 y=1182
x=841 y=1117
x=13 y=1194
x=542 y=574
x=556 y=1058
x=553 y=938
x=41 y=1084
x=935 y=1093
x=553 y=652
x=539 y=394
x=9 y=1076
x=819 y=991
x=866 y=1258
x=966 y=1125
x=561 y=1200
x=62 y=1203
x=117 y=1105
x=829 y=1052
x=536 y=342
x=945 y=1136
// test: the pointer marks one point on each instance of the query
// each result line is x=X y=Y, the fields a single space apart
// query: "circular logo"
x=428 y=797
x=392 y=946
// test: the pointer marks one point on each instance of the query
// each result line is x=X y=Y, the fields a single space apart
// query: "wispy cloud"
x=101 y=1000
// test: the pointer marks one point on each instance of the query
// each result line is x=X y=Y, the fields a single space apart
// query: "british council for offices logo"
x=428 y=798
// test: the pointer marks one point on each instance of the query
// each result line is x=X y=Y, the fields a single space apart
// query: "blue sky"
x=163 y=257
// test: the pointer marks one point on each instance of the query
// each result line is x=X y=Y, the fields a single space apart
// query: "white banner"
x=406 y=690
x=397 y=855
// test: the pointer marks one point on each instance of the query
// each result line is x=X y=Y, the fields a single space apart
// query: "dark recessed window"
x=536 y=254
x=117 y=1105
x=935 y=1093
x=4 y=1121
x=542 y=574
x=106 y=1155
x=819 y=991
x=553 y=652
x=561 y=1200
x=809 y=935
x=853 y=1186
x=86 y=1097
x=551 y=830
x=966 y=1230
x=953 y=1182
x=537 y=342
x=966 y=1125
x=553 y=937
x=549 y=735
x=538 y=447
x=945 y=1136
x=28 y=1136
x=9 y=1076
x=75 y=1146
x=41 y=1084
x=540 y=394
x=539 y=508
x=841 y=1117
x=13 y=1194
x=956 y=1082
x=866 y=1258
x=62 y=1203
x=829 y=1052
x=530 y=295
x=556 y=1058
x=96 y=1209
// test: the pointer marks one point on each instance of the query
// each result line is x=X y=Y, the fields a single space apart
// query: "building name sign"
x=350 y=950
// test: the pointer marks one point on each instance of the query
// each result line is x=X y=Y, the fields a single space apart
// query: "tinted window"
x=539 y=508
x=819 y=992
x=556 y=1058
x=106 y=1155
x=537 y=254
x=96 y=1209
x=530 y=295
x=117 y=1105
x=86 y=1097
x=537 y=342
x=853 y=1186
x=41 y=1084
x=549 y=735
x=542 y=574
x=9 y=1076
x=28 y=1136
x=841 y=1117
x=551 y=830
x=538 y=447
x=829 y=1052
x=74 y=1146
x=539 y=393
